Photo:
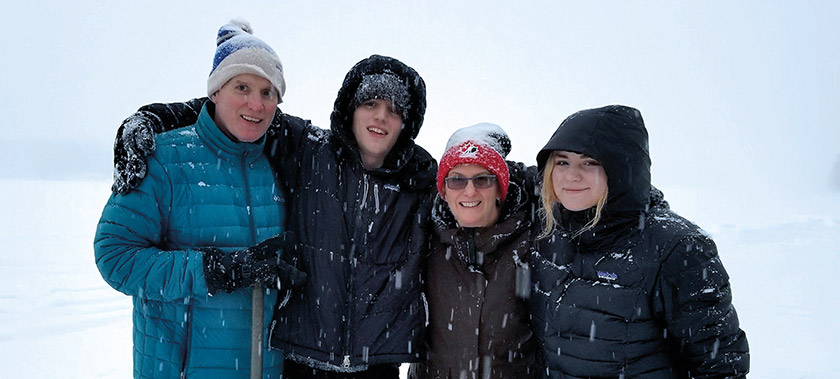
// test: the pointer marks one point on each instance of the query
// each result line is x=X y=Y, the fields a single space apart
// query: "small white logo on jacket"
x=607 y=275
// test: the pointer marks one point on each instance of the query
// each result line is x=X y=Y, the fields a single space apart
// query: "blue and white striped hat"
x=239 y=52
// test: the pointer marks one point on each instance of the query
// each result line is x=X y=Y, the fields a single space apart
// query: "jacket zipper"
x=471 y=257
x=248 y=198
x=360 y=229
x=188 y=329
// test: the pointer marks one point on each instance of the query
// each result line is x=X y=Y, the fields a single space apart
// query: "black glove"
x=135 y=141
x=136 y=138
x=257 y=264
x=288 y=275
x=657 y=199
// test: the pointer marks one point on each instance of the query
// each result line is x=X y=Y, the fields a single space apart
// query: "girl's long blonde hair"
x=549 y=200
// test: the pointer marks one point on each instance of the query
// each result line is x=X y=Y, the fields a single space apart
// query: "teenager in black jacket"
x=359 y=197
x=624 y=288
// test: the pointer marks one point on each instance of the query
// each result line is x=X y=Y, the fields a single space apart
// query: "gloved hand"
x=135 y=141
x=136 y=138
x=257 y=264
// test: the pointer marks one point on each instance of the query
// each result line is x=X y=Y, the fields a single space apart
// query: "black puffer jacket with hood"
x=644 y=293
x=361 y=235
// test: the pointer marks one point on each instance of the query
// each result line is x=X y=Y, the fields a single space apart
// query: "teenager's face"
x=245 y=106
x=472 y=207
x=376 y=126
x=579 y=181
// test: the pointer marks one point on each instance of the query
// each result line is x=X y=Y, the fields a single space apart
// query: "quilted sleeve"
x=697 y=303
x=129 y=244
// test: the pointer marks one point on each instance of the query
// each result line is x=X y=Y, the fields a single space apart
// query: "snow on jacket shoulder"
x=202 y=190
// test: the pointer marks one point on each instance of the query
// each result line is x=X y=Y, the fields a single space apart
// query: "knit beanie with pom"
x=239 y=52
x=485 y=145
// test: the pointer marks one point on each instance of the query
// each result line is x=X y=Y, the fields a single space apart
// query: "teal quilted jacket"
x=201 y=189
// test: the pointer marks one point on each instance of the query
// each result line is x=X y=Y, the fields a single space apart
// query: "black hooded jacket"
x=641 y=295
x=361 y=235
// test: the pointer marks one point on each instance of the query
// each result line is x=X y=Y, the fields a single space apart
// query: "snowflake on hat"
x=485 y=145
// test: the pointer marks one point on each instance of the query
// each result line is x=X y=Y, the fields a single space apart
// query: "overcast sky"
x=739 y=97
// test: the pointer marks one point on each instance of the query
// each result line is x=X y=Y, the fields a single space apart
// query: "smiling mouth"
x=470 y=204
x=377 y=131
x=575 y=190
x=251 y=119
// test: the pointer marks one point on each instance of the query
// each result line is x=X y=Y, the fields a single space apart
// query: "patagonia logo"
x=607 y=275
x=392 y=187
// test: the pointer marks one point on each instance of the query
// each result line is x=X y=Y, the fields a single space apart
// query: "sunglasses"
x=479 y=182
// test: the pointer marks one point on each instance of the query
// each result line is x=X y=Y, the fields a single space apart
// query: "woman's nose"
x=470 y=188
x=572 y=173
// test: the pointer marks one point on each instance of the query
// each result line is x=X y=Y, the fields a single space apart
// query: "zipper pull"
x=346 y=361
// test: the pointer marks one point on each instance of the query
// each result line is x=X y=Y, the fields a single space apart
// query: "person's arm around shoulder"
x=128 y=244
x=698 y=310
x=531 y=180
x=136 y=138
x=285 y=140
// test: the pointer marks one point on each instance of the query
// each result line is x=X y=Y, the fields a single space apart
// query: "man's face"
x=376 y=126
x=245 y=106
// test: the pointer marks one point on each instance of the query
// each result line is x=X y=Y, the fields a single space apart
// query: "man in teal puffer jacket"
x=194 y=237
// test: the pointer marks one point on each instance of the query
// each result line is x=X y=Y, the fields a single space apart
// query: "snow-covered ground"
x=58 y=318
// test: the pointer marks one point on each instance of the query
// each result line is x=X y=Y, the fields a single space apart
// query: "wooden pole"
x=257 y=308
